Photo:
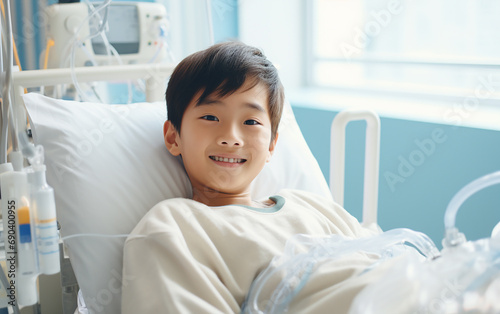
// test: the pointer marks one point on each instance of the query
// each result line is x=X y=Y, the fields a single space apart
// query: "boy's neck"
x=215 y=198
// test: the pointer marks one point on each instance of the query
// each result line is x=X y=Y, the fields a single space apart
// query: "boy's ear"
x=171 y=136
x=272 y=146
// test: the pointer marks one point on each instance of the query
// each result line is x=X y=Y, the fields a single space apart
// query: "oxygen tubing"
x=452 y=236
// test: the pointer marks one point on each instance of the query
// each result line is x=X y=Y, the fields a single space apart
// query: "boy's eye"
x=251 y=122
x=210 y=118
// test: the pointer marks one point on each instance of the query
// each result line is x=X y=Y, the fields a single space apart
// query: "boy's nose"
x=230 y=137
x=230 y=143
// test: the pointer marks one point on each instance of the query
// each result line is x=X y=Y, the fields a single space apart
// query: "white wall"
x=278 y=28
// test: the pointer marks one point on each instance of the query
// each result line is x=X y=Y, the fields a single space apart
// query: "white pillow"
x=293 y=165
x=108 y=166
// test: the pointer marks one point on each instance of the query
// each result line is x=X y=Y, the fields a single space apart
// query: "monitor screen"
x=123 y=31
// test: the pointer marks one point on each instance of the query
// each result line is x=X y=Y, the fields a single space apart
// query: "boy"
x=201 y=255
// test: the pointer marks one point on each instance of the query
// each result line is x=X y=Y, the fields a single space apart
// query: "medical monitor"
x=123 y=33
x=135 y=30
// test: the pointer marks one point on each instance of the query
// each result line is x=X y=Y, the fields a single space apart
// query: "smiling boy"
x=201 y=255
x=225 y=102
x=224 y=143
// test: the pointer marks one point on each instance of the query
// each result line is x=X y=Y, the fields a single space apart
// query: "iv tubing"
x=111 y=51
x=6 y=103
x=462 y=195
x=94 y=235
x=104 y=5
x=14 y=47
x=19 y=139
x=297 y=266
x=74 y=40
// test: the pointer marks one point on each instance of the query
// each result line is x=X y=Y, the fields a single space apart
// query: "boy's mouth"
x=229 y=160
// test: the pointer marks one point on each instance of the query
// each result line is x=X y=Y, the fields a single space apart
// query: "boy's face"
x=224 y=142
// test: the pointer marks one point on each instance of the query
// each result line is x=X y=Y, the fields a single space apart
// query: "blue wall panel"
x=422 y=166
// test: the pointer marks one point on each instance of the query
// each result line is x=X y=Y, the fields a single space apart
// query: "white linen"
x=186 y=257
x=108 y=166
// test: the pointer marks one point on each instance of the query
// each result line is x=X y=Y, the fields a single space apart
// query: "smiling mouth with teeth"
x=230 y=160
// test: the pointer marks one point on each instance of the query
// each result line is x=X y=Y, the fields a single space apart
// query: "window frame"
x=450 y=94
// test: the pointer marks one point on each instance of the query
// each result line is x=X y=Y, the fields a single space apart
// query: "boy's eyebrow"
x=209 y=101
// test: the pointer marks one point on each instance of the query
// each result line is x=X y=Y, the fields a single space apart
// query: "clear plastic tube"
x=303 y=252
x=80 y=43
x=9 y=111
x=94 y=235
x=110 y=50
x=452 y=236
x=7 y=76
x=465 y=279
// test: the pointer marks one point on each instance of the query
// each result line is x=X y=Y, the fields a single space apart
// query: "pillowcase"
x=108 y=166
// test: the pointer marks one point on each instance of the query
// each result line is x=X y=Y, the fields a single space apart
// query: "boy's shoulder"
x=301 y=196
x=327 y=207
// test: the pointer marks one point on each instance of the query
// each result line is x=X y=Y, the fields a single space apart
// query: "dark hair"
x=222 y=69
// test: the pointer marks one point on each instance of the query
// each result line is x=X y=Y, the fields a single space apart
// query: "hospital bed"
x=108 y=167
x=154 y=77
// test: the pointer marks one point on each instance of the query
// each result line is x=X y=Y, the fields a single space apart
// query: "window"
x=445 y=47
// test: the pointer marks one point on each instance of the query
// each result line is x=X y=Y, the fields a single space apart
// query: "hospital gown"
x=186 y=257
